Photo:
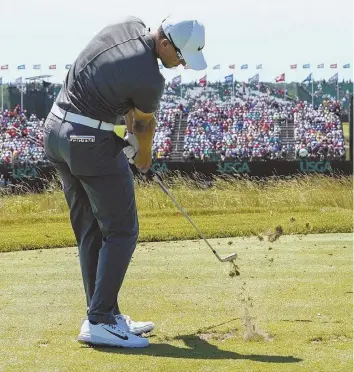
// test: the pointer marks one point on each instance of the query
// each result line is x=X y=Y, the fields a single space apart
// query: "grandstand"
x=256 y=123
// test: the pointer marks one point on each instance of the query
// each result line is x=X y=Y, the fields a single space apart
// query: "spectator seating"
x=218 y=126
x=248 y=128
x=319 y=131
x=21 y=137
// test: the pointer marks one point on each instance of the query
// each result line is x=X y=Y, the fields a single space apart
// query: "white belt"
x=80 y=119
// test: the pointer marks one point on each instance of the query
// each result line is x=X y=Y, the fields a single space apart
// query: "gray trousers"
x=99 y=189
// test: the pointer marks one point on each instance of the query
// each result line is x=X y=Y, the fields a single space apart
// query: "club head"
x=230 y=257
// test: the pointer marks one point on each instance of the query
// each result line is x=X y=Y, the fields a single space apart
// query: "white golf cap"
x=189 y=37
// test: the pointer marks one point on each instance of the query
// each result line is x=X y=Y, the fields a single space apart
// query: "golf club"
x=157 y=178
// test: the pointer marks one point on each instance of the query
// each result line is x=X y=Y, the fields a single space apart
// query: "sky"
x=274 y=33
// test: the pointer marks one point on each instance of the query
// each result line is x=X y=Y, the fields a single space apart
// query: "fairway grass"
x=310 y=204
x=300 y=289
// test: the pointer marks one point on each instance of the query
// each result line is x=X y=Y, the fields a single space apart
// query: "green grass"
x=310 y=204
x=346 y=139
x=346 y=133
x=119 y=129
x=300 y=290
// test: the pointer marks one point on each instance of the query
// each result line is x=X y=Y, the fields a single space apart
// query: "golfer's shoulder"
x=128 y=28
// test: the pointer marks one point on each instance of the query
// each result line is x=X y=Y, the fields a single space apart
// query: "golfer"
x=116 y=74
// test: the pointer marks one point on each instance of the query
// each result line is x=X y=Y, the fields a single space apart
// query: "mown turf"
x=300 y=289
x=311 y=204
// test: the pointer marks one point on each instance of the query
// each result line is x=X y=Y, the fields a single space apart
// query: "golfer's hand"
x=130 y=151
x=143 y=160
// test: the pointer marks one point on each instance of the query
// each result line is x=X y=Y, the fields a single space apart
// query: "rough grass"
x=242 y=207
x=346 y=139
x=297 y=289
x=346 y=132
x=119 y=129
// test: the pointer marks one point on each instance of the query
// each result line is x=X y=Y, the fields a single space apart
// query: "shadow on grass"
x=198 y=349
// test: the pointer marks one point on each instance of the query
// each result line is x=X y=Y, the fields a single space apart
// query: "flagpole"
x=2 y=96
x=259 y=84
x=233 y=86
x=21 y=95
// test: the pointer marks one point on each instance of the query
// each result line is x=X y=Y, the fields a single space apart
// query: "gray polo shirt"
x=116 y=72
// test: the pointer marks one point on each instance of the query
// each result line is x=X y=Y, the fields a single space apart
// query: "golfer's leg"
x=112 y=199
x=88 y=234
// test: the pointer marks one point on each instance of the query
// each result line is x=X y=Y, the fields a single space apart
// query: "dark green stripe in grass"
x=57 y=232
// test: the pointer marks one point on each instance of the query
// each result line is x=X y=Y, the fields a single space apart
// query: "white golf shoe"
x=109 y=335
x=136 y=328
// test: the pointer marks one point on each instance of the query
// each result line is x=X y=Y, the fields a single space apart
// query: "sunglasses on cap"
x=178 y=51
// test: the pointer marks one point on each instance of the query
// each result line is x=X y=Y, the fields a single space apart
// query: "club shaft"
x=188 y=218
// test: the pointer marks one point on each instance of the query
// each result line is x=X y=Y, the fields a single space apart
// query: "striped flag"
x=176 y=80
x=68 y=66
x=232 y=66
x=244 y=67
x=18 y=81
x=333 y=79
x=21 y=67
x=333 y=65
x=203 y=81
x=307 y=65
x=229 y=78
x=4 y=67
x=347 y=65
x=293 y=66
x=259 y=67
x=254 y=79
x=52 y=67
x=280 y=78
x=321 y=65
x=309 y=78
x=36 y=67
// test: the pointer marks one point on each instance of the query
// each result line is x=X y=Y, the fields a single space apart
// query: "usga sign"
x=233 y=167
x=315 y=166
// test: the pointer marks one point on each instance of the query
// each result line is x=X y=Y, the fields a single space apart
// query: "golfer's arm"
x=144 y=129
x=129 y=118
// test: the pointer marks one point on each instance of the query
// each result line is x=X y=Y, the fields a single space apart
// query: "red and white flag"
x=280 y=78
x=4 y=67
x=203 y=81
x=232 y=66
x=333 y=65
x=293 y=66
x=52 y=67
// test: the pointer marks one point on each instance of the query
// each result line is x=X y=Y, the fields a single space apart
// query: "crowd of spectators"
x=162 y=144
x=246 y=129
x=319 y=132
x=21 y=138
